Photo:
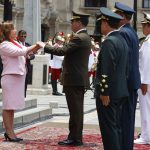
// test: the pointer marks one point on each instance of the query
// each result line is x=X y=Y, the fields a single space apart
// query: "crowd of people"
x=119 y=68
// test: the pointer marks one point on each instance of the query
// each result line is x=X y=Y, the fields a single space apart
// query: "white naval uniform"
x=144 y=100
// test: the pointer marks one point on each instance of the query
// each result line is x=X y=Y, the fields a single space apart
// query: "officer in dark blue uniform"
x=128 y=118
x=111 y=80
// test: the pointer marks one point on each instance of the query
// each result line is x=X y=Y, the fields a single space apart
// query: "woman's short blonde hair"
x=6 y=27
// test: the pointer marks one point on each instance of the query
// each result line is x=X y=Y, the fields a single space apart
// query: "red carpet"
x=46 y=138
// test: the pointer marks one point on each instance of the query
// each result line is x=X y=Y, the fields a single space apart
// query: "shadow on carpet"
x=46 y=138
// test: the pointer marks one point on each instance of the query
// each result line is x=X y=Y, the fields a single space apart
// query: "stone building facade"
x=43 y=18
x=55 y=14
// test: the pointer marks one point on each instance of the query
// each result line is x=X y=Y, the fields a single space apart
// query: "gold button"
x=103 y=80
x=106 y=86
x=102 y=90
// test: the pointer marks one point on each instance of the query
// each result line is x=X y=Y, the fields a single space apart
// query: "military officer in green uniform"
x=75 y=74
x=111 y=80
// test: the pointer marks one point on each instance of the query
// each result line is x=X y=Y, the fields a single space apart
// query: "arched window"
x=95 y=3
x=146 y=3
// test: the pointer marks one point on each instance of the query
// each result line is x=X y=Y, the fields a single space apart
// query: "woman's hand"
x=41 y=44
x=32 y=49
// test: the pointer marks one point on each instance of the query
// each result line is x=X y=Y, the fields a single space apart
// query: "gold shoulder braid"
x=69 y=37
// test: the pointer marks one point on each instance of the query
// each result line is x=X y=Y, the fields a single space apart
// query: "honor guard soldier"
x=75 y=74
x=111 y=80
x=56 y=65
x=128 y=118
x=144 y=91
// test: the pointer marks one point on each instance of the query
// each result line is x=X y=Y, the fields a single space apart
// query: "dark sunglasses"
x=24 y=36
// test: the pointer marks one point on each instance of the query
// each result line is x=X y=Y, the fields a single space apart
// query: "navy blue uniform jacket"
x=133 y=44
x=112 y=67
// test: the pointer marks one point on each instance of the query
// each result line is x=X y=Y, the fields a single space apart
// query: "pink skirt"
x=13 y=91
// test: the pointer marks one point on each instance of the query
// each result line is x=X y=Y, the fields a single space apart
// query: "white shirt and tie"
x=144 y=100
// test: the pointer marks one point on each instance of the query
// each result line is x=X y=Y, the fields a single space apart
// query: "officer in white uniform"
x=144 y=91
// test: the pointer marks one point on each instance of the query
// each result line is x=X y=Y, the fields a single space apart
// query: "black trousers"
x=75 y=100
x=28 y=79
x=110 y=123
x=128 y=120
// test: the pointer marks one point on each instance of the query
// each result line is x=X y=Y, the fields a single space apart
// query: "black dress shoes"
x=57 y=93
x=70 y=143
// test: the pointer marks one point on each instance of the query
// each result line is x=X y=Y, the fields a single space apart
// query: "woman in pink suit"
x=13 y=77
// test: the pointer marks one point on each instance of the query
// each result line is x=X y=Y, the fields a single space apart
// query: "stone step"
x=30 y=116
x=29 y=103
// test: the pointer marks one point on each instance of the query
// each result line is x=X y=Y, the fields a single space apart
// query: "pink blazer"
x=13 y=58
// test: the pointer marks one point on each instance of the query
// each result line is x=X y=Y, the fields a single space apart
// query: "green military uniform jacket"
x=112 y=67
x=76 y=56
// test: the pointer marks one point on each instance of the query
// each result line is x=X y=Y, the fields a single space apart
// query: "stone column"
x=40 y=76
x=36 y=21
x=32 y=24
x=32 y=20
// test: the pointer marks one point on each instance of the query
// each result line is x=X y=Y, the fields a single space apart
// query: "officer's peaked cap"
x=123 y=8
x=79 y=15
x=107 y=14
x=146 y=18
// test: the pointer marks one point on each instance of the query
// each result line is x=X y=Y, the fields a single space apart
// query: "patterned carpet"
x=46 y=138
